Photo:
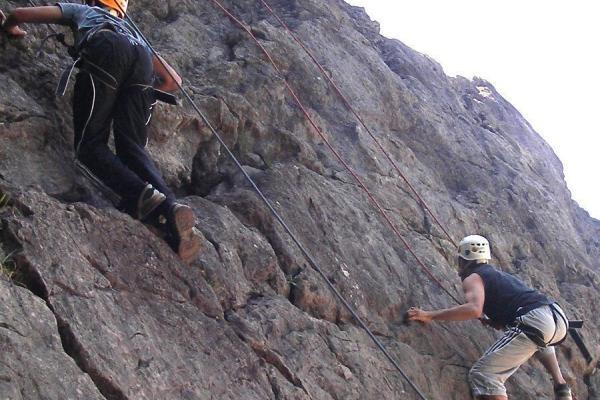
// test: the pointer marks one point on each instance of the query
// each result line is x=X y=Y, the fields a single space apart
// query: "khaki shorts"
x=500 y=361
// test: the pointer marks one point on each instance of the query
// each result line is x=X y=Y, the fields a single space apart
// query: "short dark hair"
x=464 y=266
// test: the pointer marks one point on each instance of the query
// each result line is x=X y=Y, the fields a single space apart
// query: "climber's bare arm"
x=38 y=15
x=169 y=79
x=472 y=309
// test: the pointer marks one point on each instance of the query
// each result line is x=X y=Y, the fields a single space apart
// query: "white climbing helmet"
x=474 y=247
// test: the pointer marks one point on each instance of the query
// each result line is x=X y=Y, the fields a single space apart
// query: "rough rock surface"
x=99 y=307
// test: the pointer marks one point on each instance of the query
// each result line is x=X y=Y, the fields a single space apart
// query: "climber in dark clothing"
x=116 y=84
x=532 y=323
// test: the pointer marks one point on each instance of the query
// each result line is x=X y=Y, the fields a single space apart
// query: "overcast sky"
x=542 y=55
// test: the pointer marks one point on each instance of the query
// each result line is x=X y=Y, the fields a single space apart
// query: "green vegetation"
x=291 y=280
x=7 y=264
x=3 y=200
x=8 y=267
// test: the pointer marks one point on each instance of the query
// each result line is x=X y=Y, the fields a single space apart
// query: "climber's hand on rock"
x=11 y=30
x=416 y=314
x=15 y=32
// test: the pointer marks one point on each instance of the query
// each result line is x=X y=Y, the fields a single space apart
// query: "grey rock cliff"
x=99 y=307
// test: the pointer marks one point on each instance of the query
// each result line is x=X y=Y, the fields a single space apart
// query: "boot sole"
x=189 y=242
x=189 y=248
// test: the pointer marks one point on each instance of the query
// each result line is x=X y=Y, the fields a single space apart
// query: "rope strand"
x=336 y=153
x=306 y=254
x=358 y=117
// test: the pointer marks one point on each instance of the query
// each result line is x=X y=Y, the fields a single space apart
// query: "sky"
x=543 y=56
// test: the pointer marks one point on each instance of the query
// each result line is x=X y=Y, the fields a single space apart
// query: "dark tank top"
x=506 y=297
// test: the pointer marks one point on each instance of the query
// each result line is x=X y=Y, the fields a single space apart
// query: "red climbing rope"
x=334 y=151
x=358 y=117
x=278 y=217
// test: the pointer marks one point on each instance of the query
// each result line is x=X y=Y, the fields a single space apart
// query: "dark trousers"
x=126 y=103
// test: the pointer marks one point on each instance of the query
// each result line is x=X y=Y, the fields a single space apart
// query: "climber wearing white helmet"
x=531 y=322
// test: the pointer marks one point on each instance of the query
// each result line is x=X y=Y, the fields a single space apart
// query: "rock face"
x=95 y=306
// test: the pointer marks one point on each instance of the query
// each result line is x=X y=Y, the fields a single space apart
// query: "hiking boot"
x=149 y=199
x=181 y=236
x=562 y=392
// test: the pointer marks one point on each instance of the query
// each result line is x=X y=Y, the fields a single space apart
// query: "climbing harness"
x=98 y=73
x=85 y=65
x=60 y=90
x=536 y=335
x=555 y=308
